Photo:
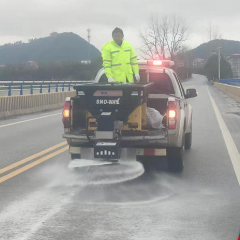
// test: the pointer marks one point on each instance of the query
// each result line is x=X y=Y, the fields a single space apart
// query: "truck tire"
x=175 y=159
x=188 y=140
x=150 y=163
x=75 y=156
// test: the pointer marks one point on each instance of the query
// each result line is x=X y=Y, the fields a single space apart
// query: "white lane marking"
x=231 y=146
x=33 y=119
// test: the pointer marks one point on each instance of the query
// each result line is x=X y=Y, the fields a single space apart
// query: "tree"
x=59 y=70
x=211 y=68
x=184 y=63
x=213 y=32
x=53 y=34
x=163 y=36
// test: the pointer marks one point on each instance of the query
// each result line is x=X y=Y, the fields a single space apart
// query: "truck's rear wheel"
x=75 y=156
x=175 y=159
x=150 y=163
x=188 y=140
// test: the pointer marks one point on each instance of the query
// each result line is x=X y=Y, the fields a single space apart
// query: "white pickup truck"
x=104 y=118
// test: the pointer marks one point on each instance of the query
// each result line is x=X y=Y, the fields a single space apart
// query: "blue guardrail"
x=231 y=81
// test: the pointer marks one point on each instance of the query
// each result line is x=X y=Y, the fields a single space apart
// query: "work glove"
x=137 y=76
x=111 y=80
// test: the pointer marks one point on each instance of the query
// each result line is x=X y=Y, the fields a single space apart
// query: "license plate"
x=106 y=150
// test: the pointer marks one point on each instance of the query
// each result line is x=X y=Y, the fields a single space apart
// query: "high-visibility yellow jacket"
x=119 y=62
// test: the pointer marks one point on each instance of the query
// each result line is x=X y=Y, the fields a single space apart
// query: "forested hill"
x=56 y=47
x=204 y=50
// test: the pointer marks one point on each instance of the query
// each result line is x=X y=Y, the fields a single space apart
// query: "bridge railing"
x=10 y=88
x=231 y=81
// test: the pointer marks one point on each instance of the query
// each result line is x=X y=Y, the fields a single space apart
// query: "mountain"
x=228 y=47
x=56 y=47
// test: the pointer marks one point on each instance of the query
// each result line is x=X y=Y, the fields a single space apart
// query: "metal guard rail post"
x=10 y=87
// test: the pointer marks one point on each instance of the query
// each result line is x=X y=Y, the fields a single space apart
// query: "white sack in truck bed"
x=154 y=118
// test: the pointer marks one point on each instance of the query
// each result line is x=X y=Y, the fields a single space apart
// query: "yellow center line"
x=14 y=165
x=33 y=164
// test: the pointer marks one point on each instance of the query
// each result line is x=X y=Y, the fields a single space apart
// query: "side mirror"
x=191 y=93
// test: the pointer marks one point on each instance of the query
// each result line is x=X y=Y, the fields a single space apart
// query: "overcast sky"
x=25 y=19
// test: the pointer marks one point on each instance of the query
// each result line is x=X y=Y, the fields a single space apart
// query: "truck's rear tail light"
x=172 y=115
x=66 y=114
x=66 y=109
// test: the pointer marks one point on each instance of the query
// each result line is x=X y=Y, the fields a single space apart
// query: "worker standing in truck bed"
x=120 y=59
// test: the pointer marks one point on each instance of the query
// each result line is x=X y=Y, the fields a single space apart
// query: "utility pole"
x=89 y=42
x=219 y=62
x=89 y=35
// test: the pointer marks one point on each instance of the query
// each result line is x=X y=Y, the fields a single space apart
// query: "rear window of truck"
x=163 y=83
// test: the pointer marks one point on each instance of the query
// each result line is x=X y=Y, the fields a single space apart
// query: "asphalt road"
x=41 y=199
